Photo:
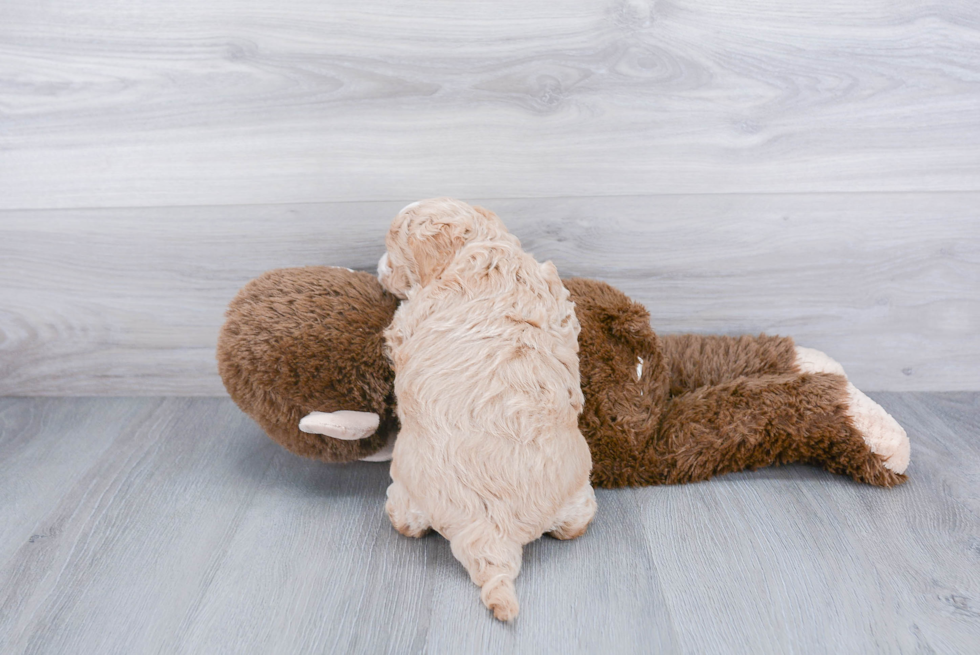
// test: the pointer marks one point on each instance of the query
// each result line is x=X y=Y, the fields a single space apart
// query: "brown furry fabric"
x=310 y=339
x=698 y=360
x=621 y=412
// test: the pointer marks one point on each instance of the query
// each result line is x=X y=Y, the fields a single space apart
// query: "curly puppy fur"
x=487 y=385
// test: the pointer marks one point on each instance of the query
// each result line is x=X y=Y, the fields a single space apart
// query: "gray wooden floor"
x=173 y=525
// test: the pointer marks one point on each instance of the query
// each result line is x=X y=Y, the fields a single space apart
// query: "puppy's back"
x=488 y=385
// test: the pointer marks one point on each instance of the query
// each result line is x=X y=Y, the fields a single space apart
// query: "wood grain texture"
x=182 y=529
x=129 y=301
x=832 y=569
x=227 y=102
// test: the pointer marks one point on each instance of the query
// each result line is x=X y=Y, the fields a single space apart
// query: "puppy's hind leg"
x=575 y=515
x=405 y=515
x=493 y=563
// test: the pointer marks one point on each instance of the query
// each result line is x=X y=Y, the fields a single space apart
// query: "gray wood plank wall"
x=810 y=169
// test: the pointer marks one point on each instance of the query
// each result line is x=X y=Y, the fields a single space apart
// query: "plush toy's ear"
x=350 y=426
x=343 y=424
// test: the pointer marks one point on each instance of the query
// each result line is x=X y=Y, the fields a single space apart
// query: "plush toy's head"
x=310 y=339
x=425 y=236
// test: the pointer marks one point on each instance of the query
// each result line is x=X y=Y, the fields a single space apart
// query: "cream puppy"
x=485 y=352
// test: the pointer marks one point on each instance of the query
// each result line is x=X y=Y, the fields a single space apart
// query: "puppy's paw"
x=405 y=517
x=349 y=426
x=881 y=432
x=575 y=516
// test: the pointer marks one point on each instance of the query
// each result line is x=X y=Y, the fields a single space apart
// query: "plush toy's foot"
x=345 y=425
x=385 y=454
x=575 y=516
x=882 y=433
x=405 y=516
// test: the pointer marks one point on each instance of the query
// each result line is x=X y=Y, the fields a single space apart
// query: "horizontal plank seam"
x=923 y=192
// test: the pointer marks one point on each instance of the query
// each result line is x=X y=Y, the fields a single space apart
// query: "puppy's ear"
x=434 y=243
x=490 y=225
x=488 y=215
x=432 y=232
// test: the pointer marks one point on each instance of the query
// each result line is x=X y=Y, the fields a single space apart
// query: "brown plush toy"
x=305 y=345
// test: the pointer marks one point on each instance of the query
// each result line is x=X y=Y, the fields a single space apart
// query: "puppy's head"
x=425 y=236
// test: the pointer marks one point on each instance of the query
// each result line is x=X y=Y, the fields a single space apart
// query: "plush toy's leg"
x=753 y=422
x=702 y=360
x=405 y=515
x=493 y=564
x=881 y=432
x=575 y=516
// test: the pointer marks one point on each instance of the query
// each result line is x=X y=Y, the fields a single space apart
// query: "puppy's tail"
x=499 y=596
x=493 y=563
